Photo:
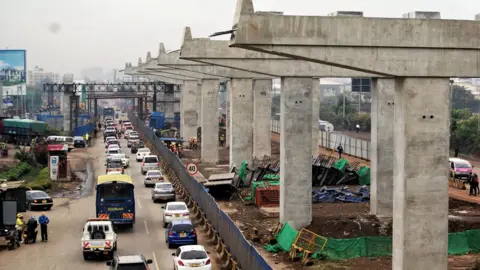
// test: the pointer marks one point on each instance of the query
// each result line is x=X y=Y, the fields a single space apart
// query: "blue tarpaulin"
x=330 y=195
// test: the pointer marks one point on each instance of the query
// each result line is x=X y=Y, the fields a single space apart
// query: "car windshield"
x=150 y=160
x=115 y=191
x=176 y=207
x=134 y=137
x=114 y=141
x=131 y=266
x=164 y=186
x=78 y=138
x=114 y=164
x=462 y=165
x=182 y=227
x=129 y=128
x=194 y=255
x=154 y=174
x=39 y=194
x=143 y=150
x=113 y=151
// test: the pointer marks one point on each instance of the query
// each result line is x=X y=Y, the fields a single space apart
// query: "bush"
x=42 y=182
x=17 y=172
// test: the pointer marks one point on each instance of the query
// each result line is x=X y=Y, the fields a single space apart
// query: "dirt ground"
x=334 y=220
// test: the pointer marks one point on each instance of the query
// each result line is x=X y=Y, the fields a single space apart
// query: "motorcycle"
x=30 y=237
x=11 y=239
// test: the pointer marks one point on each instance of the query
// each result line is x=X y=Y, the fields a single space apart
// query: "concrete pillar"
x=189 y=109
x=199 y=106
x=382 y=154
x=262 y=111
x=315 y=113
x=2 y=113
x=241 y=115
x=95 y=109
x=295 y=151
x=420 y=200
x=65 y=106
x=209 y=97
x=227 y=118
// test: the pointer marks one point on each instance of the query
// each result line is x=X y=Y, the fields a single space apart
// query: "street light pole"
x=343 y=94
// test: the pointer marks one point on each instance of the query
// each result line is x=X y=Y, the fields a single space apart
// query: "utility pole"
x=343 y=94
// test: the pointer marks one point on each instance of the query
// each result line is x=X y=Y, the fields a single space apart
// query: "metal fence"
x=351 y=146
x=244 y=254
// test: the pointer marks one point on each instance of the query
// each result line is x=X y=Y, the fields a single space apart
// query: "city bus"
x=115 y=199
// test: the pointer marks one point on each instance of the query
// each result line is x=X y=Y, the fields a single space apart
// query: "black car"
x=130 y=262
x=136 y=146
x=37 y=199
x=79 y=141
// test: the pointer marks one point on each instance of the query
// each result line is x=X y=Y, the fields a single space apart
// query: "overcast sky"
x=66 y=36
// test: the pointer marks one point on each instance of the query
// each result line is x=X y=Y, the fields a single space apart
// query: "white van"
x=61 y=140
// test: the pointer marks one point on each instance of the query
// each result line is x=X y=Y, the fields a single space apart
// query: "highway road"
x=63 y=250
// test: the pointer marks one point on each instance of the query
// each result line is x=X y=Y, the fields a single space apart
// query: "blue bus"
x=109 y=112
x=115 y=199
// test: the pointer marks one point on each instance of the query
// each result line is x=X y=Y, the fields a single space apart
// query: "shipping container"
x=22 y=131
x=157 y=120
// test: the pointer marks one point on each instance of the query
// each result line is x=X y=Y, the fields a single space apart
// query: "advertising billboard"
x=13 y=72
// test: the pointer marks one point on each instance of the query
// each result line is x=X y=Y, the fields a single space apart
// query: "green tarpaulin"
x=341 y=164
x=372 y=247
x=364 y=175
x=242 y=171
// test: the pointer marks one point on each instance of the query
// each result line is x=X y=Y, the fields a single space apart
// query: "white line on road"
x=139 y=204
x=146 y=227
x=155 y=261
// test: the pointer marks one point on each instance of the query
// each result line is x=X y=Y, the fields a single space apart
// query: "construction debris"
x=331 y=195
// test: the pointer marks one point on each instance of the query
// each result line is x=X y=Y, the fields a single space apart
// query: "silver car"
x=149 y=162
x=153 y=177
x=132 y=139
x=163 y=192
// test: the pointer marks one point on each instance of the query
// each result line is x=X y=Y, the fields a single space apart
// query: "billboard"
x=13 y=72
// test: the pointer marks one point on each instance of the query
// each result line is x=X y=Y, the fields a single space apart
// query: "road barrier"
x=351 y=146
x=231 y=245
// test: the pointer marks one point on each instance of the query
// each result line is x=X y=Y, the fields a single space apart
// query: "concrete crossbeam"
x=383 y=46
x=218 y=53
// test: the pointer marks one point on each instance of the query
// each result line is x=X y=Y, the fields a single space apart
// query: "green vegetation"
x=465 y=125
x=17 y=172
x=42 y=182
x=49 y=131
x=333 y=111
x=23 y=155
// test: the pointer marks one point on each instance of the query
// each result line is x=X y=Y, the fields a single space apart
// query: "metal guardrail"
x=351 y=146
x=241 y=250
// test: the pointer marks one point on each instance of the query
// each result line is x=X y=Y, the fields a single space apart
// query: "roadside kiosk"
x=57 y=161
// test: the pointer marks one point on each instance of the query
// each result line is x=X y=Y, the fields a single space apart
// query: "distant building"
x=38 y=75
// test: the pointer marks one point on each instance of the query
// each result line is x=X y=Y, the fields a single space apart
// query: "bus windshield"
x=115 y=191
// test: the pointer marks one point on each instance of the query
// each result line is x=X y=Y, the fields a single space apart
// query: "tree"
x=463 y=98
x=23 y=155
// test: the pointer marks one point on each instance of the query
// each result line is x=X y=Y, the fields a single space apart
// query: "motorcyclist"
x=32 y=225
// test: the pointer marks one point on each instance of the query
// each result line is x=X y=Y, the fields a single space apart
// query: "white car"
x=109 y=138
x=141 y=153
x=113 y=147
x=149 y=162
x=99 y=239
x=175 y=211
x=109 y=129
x=124 y=158
x=131 y=134
x=112 y=152
x=191 y=257
x=153 y=177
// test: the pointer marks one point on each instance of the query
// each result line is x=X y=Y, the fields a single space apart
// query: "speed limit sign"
x=192 y=168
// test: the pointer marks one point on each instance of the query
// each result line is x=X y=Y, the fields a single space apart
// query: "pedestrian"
x=20 y=225
x=476 y=190
x=32 y=225
x=340 y=151
x=43 y=220
x=87 y=139
x=457 y=149
x=357 y=127
x=222 y=140
x=470 y=183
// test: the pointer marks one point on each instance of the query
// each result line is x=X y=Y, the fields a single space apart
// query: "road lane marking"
x=146 y=227
x=155 y=261
x=139 y=204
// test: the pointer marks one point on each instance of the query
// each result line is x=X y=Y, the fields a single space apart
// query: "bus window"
x=115 y=191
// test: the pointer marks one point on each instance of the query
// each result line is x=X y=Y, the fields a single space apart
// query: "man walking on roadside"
x=43 y=220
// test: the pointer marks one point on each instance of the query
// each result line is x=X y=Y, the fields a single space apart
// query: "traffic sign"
x=192 y=168
x=328 y=127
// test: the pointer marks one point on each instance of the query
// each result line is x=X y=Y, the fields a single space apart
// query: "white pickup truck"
x=99 y=239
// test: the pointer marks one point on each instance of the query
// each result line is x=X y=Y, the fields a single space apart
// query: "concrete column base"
x=420 y=200
x=241 y=115
x=262 y=110
x=209 y=140
x=295 y=151
x=382 y=154
x=315 y=113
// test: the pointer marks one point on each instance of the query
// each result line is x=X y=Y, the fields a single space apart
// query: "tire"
x=29 y=207
x=49 y=208
x=170 y=246
x=195 y=242
x=165 y=225
x=115 y=247
x=97 y=235
x=85 y=256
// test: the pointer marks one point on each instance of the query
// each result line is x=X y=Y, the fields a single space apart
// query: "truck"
x=157 y=120
x=22 y=131
x=99 y=239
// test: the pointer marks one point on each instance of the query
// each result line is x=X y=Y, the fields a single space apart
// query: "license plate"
x=177 y=215
x=195 y=265
x=183 y=234
x=44 y=201
x=105 y=252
